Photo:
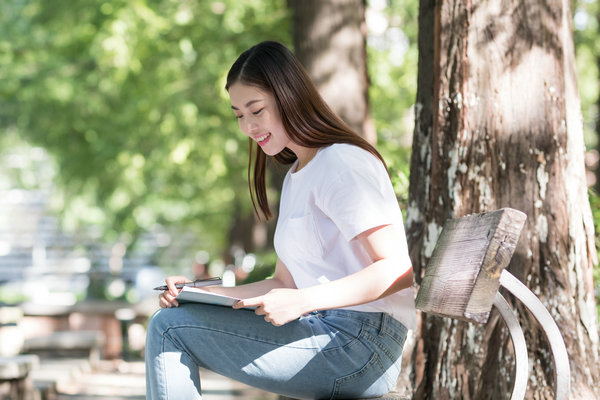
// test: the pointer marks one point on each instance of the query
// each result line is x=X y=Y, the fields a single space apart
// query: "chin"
x=271 y=152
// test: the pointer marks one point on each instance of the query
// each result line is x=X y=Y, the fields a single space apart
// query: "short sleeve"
x=361 y=198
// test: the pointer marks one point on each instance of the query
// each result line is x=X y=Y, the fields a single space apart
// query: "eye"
x=239 y=116
x=258 y=112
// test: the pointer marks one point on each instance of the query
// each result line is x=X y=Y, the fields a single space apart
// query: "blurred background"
x=121 y=161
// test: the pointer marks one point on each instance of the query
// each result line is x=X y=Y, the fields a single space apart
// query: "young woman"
x=332 y=321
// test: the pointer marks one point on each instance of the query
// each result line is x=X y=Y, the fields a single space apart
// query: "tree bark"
x=498 y=124
x=330 y=41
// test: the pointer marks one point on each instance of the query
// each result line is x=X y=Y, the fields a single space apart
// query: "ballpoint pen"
x=196 y=283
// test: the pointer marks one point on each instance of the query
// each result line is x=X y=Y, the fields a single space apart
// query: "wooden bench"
x=15 y=382
x=462 y=280
x=86 y=344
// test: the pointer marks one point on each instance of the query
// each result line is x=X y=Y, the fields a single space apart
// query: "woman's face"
x=258 y=117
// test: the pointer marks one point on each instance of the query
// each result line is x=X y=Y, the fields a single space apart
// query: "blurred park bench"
x=47 y=332
x=43 y=347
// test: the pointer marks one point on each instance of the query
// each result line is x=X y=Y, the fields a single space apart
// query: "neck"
x=304 y=154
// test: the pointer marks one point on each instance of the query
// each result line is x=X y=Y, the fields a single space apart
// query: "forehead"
x=241 y=94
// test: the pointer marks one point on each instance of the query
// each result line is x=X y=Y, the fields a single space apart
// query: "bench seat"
x=68 y=343
x=15 y=381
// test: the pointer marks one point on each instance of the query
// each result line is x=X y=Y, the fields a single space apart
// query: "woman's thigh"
x=317 y=356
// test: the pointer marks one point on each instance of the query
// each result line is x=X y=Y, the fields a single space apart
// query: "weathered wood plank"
x=463 y=273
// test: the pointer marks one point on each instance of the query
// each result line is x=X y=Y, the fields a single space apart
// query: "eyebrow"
x=248 y=104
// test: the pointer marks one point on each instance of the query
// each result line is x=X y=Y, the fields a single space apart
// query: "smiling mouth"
x=262 y=139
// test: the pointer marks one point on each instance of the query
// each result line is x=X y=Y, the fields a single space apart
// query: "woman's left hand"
x=279 y=306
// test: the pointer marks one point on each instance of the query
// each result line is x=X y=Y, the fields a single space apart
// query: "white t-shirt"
x=342 y=192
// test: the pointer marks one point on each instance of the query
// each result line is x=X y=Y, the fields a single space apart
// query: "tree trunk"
x=330 y=41
x=498 y=124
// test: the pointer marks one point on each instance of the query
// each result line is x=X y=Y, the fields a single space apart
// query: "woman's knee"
x=158 y=323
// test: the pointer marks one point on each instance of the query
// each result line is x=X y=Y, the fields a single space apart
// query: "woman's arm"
x=384 y=276
x=281 y=279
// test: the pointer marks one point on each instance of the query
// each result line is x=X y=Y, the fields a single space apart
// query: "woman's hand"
x=167 y=298
x=279 y=306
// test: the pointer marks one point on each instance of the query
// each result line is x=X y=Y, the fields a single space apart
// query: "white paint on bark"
x=542 y=228
x=541 y=174
x=474 y=337
x=432 y=232
x=413 y=214
x=453 y=156
x=451 y=174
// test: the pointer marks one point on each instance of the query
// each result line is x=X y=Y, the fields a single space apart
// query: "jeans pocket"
x=368 y=381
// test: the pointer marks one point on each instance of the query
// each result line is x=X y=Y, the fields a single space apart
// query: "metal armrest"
x=562 y=371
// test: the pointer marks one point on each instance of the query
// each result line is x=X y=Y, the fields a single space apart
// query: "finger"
x=173 y=301
x=171 y=281
x=162 y=302
x=171 y=288
x=250 y=302
x=242 y=303
x=168 y=296
x=259 y=311
x=168 y=300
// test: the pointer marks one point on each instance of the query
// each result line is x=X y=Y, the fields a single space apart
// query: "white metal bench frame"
x=462 y=280
x=562 y=371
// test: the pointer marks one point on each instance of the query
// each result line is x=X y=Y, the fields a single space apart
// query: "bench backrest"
x=463 y=274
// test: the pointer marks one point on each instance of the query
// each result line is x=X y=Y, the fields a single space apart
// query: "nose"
x=250 y=126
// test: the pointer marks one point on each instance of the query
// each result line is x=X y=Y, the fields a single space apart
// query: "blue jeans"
x=325 y=355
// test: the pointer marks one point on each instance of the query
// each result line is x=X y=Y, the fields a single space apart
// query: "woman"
x=332 y=321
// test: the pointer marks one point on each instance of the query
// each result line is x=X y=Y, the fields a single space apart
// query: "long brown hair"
x=306 y=118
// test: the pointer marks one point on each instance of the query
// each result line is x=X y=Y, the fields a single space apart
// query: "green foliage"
x=392 y=63
x=11 y=296
x=595 y=204
x=265 y=267
x=587 y=53
x=128 y=97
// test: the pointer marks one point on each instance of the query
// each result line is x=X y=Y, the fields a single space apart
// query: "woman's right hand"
x=167 y=298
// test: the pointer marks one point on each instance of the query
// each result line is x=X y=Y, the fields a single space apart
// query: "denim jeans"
x=324 y=355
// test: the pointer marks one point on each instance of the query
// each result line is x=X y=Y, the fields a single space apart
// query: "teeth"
x=263 y=137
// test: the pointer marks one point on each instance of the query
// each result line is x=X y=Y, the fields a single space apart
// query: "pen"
x=196 y=283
